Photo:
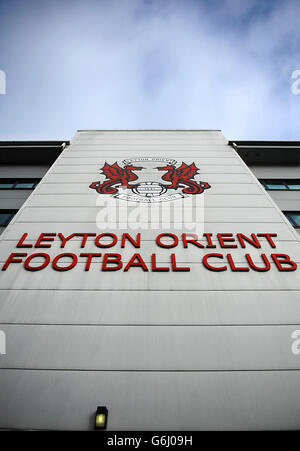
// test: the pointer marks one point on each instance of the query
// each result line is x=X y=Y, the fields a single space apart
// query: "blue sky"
x=105 y=64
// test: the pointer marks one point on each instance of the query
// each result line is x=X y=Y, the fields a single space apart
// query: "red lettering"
x=114 y=259
x=283 y=259
x=89 y=259
x=139 y=263
x=178 y=268
x=167 y=245
x=267 y=266
x=22 y=239
x=45 y=237
x=209 y=266
x=268 y=236
x=193 y=240
x=64 y=268
x=209 y=240
x=110 y=235
x=135 y=243
x=37 y=268
x=226 y=237
x=65 y=239
x=12 y=259
x=155 y=267
x=253 y=240
x=234 y=267
x=85 y=237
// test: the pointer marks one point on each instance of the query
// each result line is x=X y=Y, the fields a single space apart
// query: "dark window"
x=18 y=183
x=281 y=184
x=6 y=185
x=276 y=184
x=293 y=217
x=6 y=216
x=293 y=184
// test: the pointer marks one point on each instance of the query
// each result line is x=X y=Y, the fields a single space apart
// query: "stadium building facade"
x=153 y=273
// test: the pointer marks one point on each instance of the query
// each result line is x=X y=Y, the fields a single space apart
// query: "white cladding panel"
x=275 y=172
x=286 y=200
x=211 y=200
x=150 y=307
x=152 y=401
x=23 y=171
x=162 y=350
x=89 y=215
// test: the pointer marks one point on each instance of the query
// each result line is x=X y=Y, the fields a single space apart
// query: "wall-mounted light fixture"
x=101 y=417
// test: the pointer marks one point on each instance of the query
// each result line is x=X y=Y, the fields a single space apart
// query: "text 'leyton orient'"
x=107 y=261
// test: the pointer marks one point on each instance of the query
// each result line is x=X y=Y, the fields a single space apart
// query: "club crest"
x=149 y=179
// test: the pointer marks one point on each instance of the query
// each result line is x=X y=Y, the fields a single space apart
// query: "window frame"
x=284 y=182
x=10 y=212
x=15 y=181
x=290 y=219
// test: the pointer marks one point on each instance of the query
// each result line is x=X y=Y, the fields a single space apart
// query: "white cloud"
x=173 y=64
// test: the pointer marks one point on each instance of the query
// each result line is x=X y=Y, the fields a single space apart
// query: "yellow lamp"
x=101 y=417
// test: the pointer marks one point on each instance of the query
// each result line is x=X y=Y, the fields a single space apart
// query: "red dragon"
x=182 y=177
x=116 y=176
